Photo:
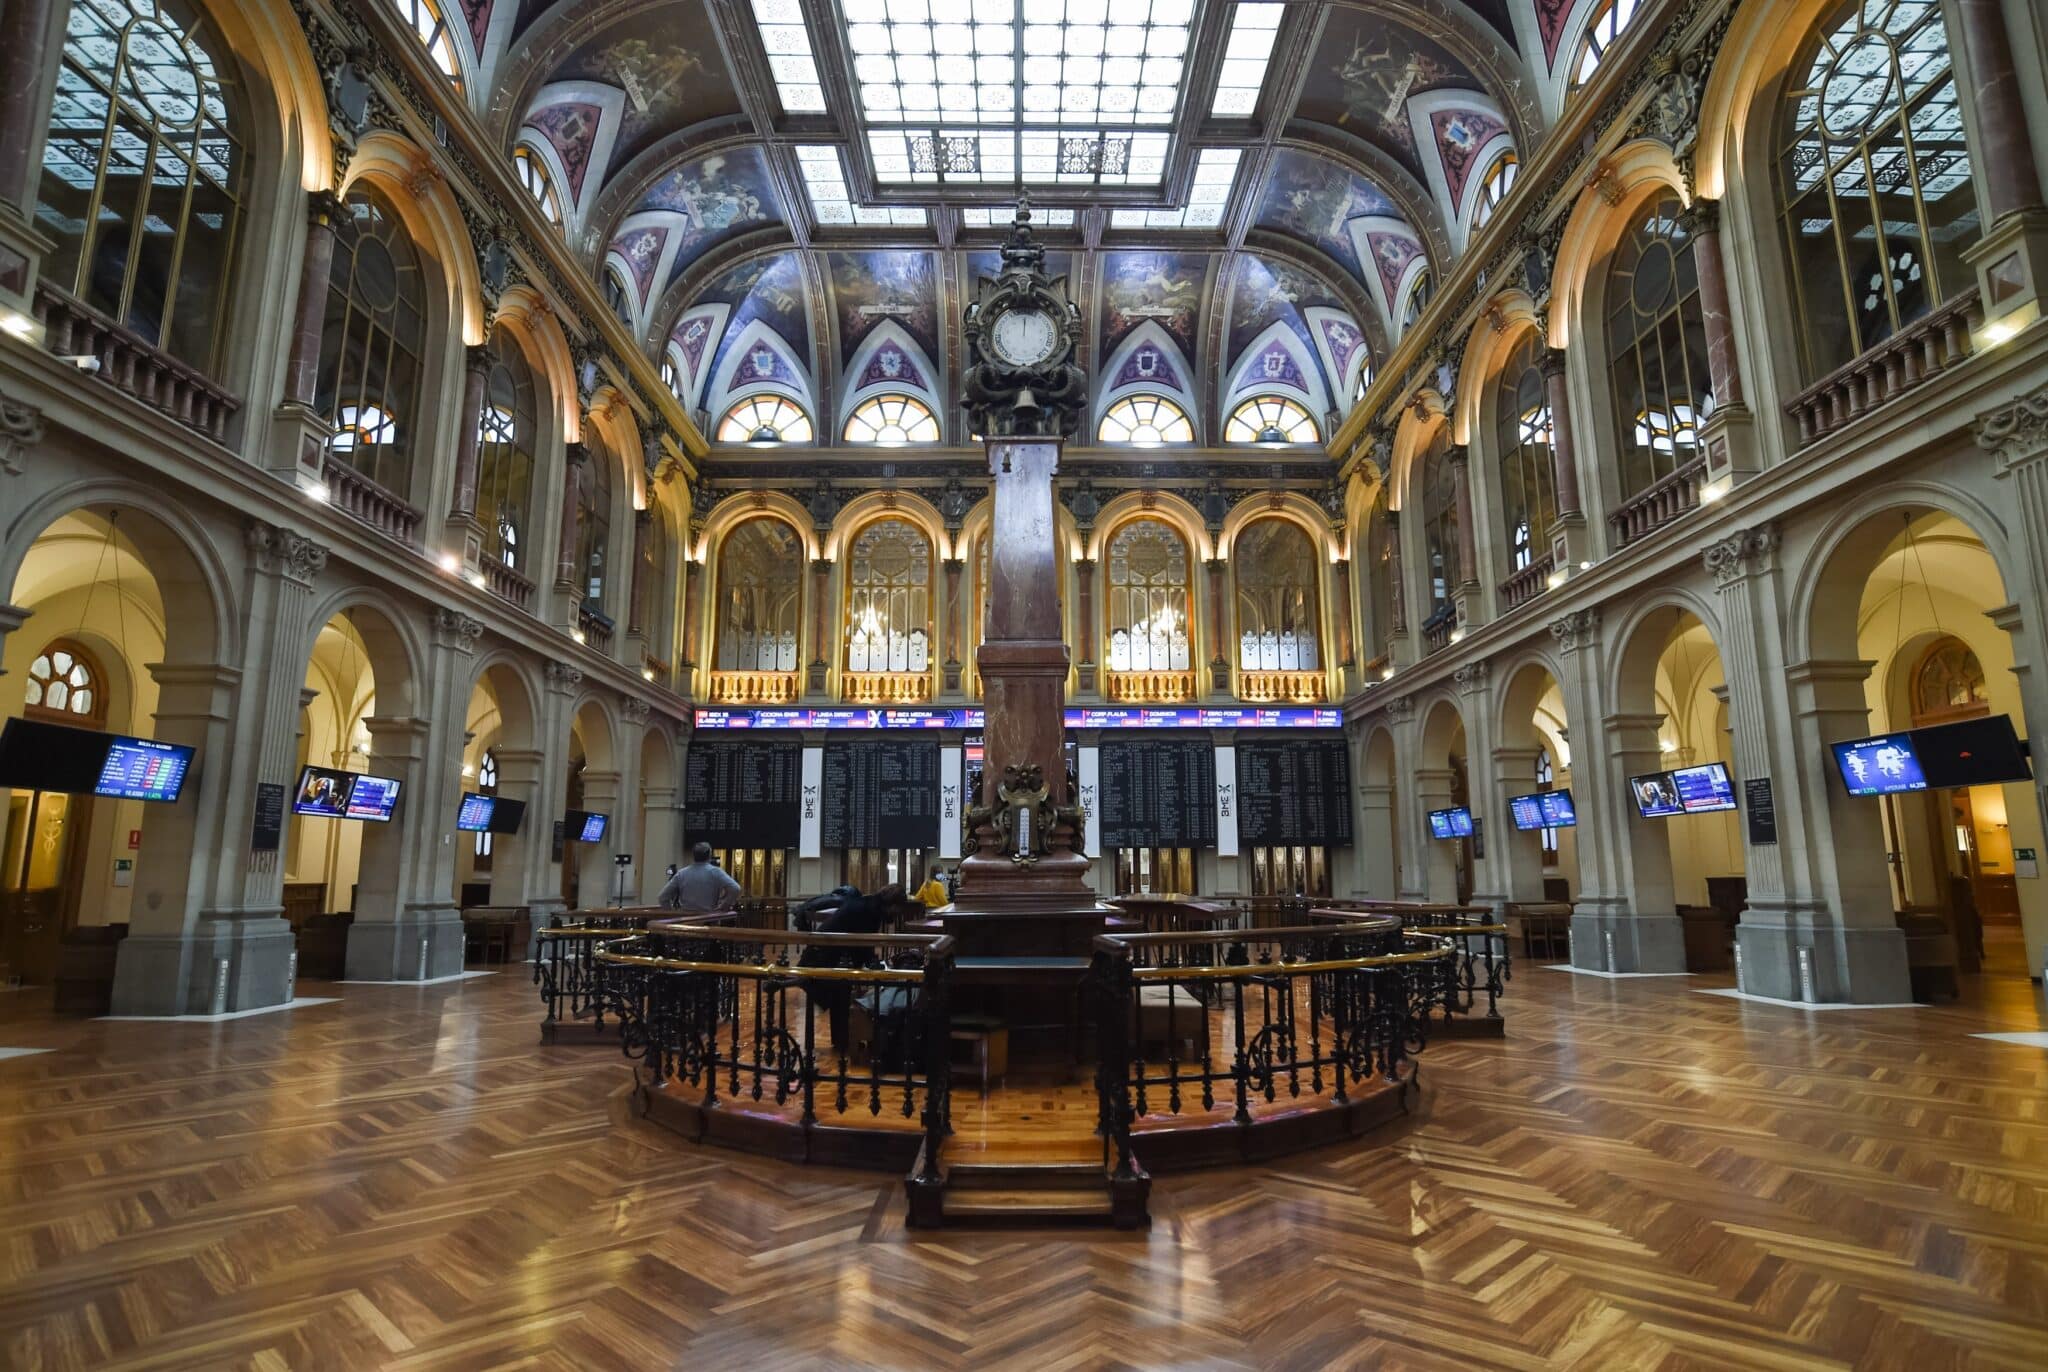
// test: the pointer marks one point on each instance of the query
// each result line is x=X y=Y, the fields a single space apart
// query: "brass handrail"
x=1266 y=969
x=1358 y=922
x=766 y=970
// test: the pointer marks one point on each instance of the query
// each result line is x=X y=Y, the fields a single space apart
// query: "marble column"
x=568 y=571
x=951 y=667
x=1717 y=317
x=1460 y=458
x=1219 y=622
x=2003 y=143
x=1084 y=619
x=25 y=30
x=821 y=595
x=636 y=601
x=1568 y=546
x=1340 y=577
x=476 y=371
x=323 y=210
x=1397 y=596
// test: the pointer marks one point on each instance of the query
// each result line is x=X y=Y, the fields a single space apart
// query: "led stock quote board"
x=1158 y=793
x=1293 y=791
x=1543 y=810
x=882 y=793
x=584 y=826
x=489 y=814
x=1452 y=823
x=1077 y=717
x=40 y=756
x=743 y=793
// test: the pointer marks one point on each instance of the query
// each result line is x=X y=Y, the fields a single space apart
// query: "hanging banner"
x=810 y=830
x=1226 y=802
x=949 y=802
x=1087 y=776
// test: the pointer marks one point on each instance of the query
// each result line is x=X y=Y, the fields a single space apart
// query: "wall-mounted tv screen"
x=1558 y=811
x=372 y=798
x=506 y=815
x=1880 y=766
x=323 y=792
x=1452 y=823
x=584 y=826
x=40 y=756
x=1656 y=795
x=474 y=814
x=1972 y=752
x=1526 y=811
x=1705 y=787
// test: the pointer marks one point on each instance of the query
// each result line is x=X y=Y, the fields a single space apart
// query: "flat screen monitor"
x=474 y=815
x=323 y=792
x=1452 y=823
x=1558 y=811
x=1705 y=787
x=506 y=815
x=1880 y=766
x=1972 y=752
x=1656 y=795
x=143 y=769
x=584 y=826
x=372 y=798
x=1527 y=811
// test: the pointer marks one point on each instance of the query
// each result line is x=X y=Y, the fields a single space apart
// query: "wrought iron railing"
x=1236 y=1023
x=755 y=688
x=367 y=502
x=803 y=1026
x=565 y=966
x=1288 y=688
x=1915 y=354
x=1659 y=503
x=131 y=363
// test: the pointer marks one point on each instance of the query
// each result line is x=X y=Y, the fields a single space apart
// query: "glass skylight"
x=1002 y=216
x=788 y=44
x=1244 y=61
x=1046 y=91
x=825 y=179
x=1208 y=197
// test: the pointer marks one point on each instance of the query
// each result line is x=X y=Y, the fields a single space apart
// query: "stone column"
x=1378 y=852
x=1568 y=544
x=12 y=617
x=282 y=567
x=1340 y=577
x=1439 y=866
x=952 y=666
x=386 y=941
x=1411 y=832
x=1490 y=877
x=557 y=716
x=476 y=371
x=660 y=841
x=25 y=30
x=1645 y=930
x=1727 y=435
x=323 y=209
x=821 y=594
x=1466 y=593
x=636 y=602
x=596 y=875
x=1519 y=868
x=1603 y=811
x=2004 y=145
x=569 y=575
x=1084 y=620
x=519 y=778
x=1219 y=626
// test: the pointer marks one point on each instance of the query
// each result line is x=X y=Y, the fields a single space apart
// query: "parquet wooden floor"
x=1637 y=1177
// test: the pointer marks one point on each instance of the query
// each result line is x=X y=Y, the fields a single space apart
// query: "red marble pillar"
x=2003 y=142
x=953 y=567
x=1340 y=573
x=636 y=611
x=24 y=45
x=696 y=598
x=1397 y=601
x=476 y=370
x=1084 y=609
x=1723 y=371
x=302 y=378
x=821 y=587
x=1564 y=463
x=573 y=458
x=1219 y=620
x=1460 y=459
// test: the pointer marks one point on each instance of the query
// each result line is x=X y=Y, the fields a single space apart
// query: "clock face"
x=1024 y=338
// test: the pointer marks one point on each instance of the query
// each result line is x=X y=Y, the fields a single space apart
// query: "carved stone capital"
x=457 y=629
x=635 y=709
x=2017 y=433
x=21 y=427
x=1471 y=677
x=1400 y=709
x=563 y=678
x=283 y=552
x=1741 y=553
x=1576 y=630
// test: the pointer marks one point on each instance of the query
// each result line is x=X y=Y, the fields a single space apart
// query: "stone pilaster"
x=596 y=874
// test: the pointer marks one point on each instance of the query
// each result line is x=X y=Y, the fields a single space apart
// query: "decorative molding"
x=563 y=678
x=21 y=427
x=2016 y=433
x=281 y=551
x=1400 y=709
x=1471 y=678
x=457 y=630
x=1741 y=553
x=1576 y=630
x=635 y=709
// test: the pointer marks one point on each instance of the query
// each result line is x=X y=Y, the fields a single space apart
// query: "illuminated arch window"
x=65 y=683
x=1148 y=578
x=1494 y=187
x=373 y=335
x=1656 y=344
x=892 y=420
x=1417 y=299
x=1270 y=419
x=506 y=433
x=540 y=184
x=1528 y=494
x=486 y=784
x=765 y=419
x=760 y=597
x=1364 y=382
x=143 y=172
x=1278 y=612
x=1873 y=178
x=889 y=599
x=1601 y=34
x=1145 y=421
x=671 y=377
x=428 y=22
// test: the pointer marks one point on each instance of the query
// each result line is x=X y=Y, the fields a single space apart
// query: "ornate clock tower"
x=1024 y=887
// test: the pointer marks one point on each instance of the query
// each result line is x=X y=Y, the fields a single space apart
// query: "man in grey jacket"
x=700 y=887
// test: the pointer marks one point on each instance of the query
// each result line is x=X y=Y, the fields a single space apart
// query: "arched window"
x=1494 y=187
x=760 y=597
x=1874 y=178
x=1145 y=421
x=369 y=381
x=1656 y=344
x=618 y=295
x=486 y=784
x=594 y=526
x=1546 y=780
x=1364 y=382
x=1440 y=531
x=1278 y=609
x=1148 y=598
x=1528 y=491
x=1948 y=683
x=765 y=419
x=654 y=563
x=1602 y=32
x=65 y=684
x=539 y=182
x=1270 y=419
x=892 y=420
x=142 y=175
x=427 y=21
x=1417 y=299
x=505 y=448
x=672 y=378
x=889 y=599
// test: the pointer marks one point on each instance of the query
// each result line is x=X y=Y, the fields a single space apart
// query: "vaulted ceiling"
x=798 y=195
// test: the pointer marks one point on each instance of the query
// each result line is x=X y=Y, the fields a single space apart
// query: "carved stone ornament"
x=21 y=426
x=563 y=677
x=1083 y=503
x=1739 y=554
x=1471 y=677
x=293 y=555
x=1400 y=709
x=634 y=709
x=823 y=505
x=2016 y=433
x=1023 y=815
x=954 y=503
x=1576 y=630
x=457 y=629
x=1020 y=332
x=1381 y=454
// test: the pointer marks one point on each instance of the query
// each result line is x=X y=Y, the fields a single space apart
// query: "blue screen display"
x=1880 y=766
x=1077 y=717
x=1558 y=812
x=475 y=814
x=1706 y=787
x=593 y=829
x=143 y=769
x=1456 y=823
x=1527 y=811
x=372 y=798
x=1656 y=795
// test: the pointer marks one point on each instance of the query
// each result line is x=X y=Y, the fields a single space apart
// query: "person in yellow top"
x=933 y=893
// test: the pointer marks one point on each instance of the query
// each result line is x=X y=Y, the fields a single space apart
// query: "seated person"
x=933 y=893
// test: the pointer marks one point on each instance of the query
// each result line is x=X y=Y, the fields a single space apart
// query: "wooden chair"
x=989 y=1037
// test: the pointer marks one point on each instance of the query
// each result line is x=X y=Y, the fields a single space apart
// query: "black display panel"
x=880 y=793
x=39 y=756
x=1294 y=791
x=742 y=793
x=1972 y=752
x=1158 y=793
x=506 y=815
x=323 y=792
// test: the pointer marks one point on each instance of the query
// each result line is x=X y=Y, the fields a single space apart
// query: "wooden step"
x=1024 y=1176
x=1065 y=1204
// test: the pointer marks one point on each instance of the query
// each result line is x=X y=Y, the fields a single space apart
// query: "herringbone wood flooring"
x=1638 y=1177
